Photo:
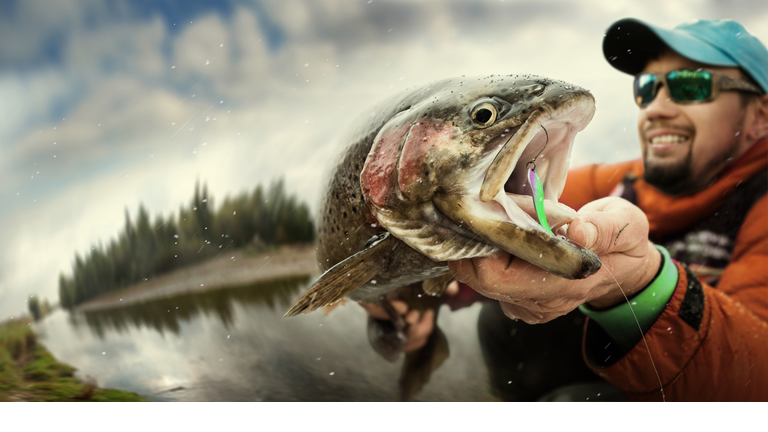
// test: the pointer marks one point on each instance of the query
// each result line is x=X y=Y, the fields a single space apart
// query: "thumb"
x=609 y=225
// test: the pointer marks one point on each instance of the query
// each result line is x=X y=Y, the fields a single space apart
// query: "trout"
x=440 y=174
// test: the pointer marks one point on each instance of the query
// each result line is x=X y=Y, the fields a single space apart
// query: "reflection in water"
x=166 y=314
x=419 y=365
x=234 y=345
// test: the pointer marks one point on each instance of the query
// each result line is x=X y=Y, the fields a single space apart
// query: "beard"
x=673 y=178
x=678 y=177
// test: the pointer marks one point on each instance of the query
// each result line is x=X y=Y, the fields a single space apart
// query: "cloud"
x=140 y=108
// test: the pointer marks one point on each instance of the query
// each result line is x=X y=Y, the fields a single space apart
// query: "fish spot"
x=345 y=216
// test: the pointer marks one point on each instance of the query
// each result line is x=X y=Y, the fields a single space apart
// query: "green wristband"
x=619 y=321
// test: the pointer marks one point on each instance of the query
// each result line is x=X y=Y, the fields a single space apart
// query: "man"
x=699 y=193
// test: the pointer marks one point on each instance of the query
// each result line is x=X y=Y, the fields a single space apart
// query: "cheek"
x=379 y=167
x=719 y=124
x=416 y=170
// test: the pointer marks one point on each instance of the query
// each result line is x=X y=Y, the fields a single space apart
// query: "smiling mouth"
x=669 y=139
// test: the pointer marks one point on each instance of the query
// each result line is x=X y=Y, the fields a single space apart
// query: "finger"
x=488 y=275
x=424 y=326
x=609 y=225
x=418 y=333
x=400 y=306
x=463 y=270
x=374 y=310
x=412 y=317
x=514 y=311
x=453 y=288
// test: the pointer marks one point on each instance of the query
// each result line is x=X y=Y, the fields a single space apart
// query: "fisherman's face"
x=686 y=146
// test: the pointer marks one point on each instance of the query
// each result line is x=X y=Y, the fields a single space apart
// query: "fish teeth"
x=668 y=139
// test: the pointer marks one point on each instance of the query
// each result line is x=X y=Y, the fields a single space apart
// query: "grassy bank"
x=28 y=372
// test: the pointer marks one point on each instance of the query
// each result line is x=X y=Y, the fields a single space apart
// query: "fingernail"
x=590 y=234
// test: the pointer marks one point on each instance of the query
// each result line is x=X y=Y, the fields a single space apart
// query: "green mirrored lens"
x=644 y=89
x=690 y=86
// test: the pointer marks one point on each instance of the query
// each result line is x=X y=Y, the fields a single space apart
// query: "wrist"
x=621 y=322
x=648 y=272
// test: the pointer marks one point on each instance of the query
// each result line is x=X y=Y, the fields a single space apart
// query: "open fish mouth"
x=545 y=142
x=498 y=205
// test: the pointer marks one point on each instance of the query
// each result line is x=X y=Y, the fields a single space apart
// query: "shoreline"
x=232 y=269
x=30 y=373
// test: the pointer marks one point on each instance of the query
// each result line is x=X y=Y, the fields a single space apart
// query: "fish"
x=439 y=173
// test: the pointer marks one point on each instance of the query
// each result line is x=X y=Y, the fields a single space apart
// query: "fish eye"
x=484 y=114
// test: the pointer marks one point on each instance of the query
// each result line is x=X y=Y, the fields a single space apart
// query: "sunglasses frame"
x=720 y=82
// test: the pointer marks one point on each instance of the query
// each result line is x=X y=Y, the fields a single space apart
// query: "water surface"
x=234 y=345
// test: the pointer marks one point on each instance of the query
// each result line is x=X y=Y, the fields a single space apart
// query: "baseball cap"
x=629 y=44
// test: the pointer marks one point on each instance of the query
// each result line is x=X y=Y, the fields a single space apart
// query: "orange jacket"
x=726 y=357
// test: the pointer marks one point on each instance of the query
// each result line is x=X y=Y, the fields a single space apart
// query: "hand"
x=612 y=228
x=420 y=325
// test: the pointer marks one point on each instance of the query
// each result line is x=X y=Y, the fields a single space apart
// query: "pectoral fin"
x=343 y=278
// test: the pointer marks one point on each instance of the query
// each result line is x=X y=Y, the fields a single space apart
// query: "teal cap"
x=630 y=43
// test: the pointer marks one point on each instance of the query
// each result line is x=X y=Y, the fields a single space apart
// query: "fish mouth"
x=543 y=143
x=498 y=204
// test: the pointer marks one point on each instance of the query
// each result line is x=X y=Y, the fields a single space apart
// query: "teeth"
x=668 y=139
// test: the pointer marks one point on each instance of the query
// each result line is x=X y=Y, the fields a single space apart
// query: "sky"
x=106 y=105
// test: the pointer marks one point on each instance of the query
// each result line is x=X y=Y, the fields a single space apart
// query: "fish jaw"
x=497 y=204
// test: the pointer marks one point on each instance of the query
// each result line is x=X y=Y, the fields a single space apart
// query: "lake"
x=233 y=344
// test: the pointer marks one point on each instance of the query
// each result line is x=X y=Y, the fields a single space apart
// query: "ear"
x=758 y=127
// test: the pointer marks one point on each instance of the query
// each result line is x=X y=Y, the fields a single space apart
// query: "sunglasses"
x=688 y=86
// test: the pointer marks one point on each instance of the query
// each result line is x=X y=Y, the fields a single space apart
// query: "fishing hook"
x=533 y=161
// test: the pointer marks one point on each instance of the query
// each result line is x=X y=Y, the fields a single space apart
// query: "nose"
x=662 y=106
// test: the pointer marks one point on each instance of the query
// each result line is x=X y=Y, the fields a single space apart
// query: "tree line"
x=143 y=249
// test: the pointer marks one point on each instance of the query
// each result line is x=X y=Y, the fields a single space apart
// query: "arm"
x=701 y=348
x=709 y=343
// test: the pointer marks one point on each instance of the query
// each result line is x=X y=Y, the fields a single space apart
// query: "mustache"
x=662 y=124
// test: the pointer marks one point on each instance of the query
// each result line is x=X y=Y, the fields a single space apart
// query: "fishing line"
x=647 y=349
x=661 y=386
x=537 y=190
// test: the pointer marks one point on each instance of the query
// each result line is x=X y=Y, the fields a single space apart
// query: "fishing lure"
x=537 y=190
